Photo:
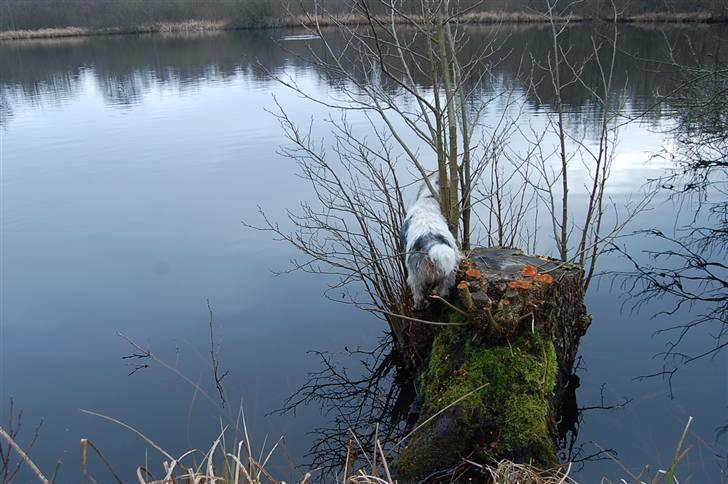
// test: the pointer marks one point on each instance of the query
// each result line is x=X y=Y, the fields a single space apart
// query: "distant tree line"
x=99 y=14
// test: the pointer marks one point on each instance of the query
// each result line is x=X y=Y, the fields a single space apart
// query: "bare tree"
x=554 y=154
x=410 y=72
x=418 y=52
x=411 y=75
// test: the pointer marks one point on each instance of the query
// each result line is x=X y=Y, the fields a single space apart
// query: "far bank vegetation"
x=22 y=19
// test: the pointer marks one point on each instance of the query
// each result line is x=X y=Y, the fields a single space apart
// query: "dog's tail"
x=444 y=258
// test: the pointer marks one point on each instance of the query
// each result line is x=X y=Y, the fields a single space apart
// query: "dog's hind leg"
x=417 y=267
x=418 y=295
x=443 y=289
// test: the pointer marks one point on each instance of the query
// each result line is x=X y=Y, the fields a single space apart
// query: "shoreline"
x=196 y=26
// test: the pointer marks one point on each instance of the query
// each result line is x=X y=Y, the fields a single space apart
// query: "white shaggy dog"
x=432 y=255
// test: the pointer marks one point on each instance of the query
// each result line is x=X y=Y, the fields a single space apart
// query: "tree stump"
x=496 y=378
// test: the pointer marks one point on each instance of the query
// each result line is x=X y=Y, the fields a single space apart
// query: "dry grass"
x=241 y=466
x=189 y=26
x=239 y=463
x=289 y=21
x=472 y=18
x=44 y=33
x=515 y=17
x=507 y=472
x=668 y=17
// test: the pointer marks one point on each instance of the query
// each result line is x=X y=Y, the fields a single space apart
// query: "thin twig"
x=23 y=456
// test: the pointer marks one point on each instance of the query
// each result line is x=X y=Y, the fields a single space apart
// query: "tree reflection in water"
x=377 y=400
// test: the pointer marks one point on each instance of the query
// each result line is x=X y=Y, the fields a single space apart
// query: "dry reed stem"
x=129 y=427
x=438 y=413
x=417 y=320
x=23 y=456
x=449 y=304
x=503 y=472
x=85 y=444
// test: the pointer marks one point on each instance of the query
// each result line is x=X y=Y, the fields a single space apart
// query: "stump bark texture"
x=496 y=379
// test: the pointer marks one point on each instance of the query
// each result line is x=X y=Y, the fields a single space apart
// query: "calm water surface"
x=128 y=164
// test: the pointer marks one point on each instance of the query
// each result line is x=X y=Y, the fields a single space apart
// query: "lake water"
x=128 y=164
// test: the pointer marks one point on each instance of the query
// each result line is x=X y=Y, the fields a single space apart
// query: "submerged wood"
x=513 y=359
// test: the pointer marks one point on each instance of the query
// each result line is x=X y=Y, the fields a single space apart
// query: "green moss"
x=510 y=416
x=435 y=446
x=526 y=430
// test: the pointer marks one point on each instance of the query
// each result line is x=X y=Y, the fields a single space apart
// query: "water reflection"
x=126 y=67
x=377 y=401
x=128 y=165
x=5 y=110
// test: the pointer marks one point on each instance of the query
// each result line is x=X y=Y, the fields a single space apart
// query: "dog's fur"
x=432 y=255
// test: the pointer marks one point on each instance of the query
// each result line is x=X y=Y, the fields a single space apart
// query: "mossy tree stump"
x=501 y=371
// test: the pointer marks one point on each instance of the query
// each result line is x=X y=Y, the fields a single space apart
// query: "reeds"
x=469 y=18
x=288 y=21
x=670 y=17
x=292 y=21
x=187 y=26
x=507 y=472
x=236 y=463
x=240 y=464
